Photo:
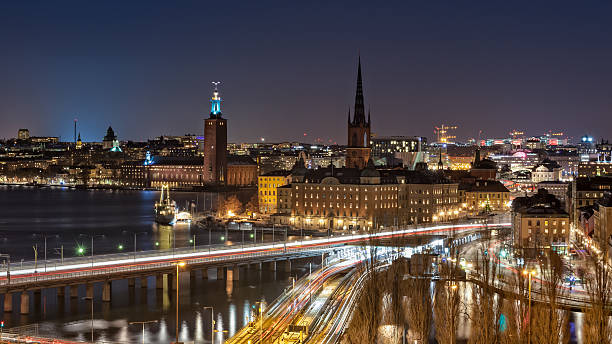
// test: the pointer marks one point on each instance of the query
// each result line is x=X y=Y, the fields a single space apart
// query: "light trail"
x=146 y=259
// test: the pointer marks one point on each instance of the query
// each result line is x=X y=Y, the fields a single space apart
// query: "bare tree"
x=549 y=323
x=447 y=301
x=596 y=328
x=419 y=308
x=485 y=308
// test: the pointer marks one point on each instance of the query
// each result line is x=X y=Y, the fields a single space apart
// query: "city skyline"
x=482 y=68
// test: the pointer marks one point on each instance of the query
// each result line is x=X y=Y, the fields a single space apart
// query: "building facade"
x=241 y=170
x=484 y=196
x=267 y=190
x=367 y=199
x=546 y=171
x=539 y=222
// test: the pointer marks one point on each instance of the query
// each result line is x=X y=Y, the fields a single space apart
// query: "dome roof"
x=370 y=170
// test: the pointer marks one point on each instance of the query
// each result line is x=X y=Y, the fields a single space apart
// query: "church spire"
x=359 y=113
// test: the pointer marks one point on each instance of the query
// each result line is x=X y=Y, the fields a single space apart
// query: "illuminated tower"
x=358 y=149
x=215 y=142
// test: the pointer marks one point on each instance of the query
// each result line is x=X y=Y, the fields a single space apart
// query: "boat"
x=165 y=208
x=183 y=217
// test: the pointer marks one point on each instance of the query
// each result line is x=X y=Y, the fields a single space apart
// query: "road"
x=102 y=265
x=299 y=305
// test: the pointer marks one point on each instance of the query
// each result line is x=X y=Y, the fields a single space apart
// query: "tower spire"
x=215 y=101
x=359 y=113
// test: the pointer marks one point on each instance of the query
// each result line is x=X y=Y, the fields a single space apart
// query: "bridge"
x=213 y=262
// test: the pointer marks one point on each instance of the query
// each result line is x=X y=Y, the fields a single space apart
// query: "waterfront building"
x=215 y=143
x=370 y=198
x=241 y=170
x=267 y=190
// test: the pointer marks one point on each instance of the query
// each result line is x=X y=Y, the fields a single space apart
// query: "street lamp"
x=178 y=264
x=143 y=326
x=529 y=273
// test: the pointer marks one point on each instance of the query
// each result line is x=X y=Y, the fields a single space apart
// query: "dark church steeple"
x=358 y=150
x=359 y=113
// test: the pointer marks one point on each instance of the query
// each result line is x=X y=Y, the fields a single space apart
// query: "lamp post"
x=143 y=326
x=135 y=234
x=179 y=264
x=529 y=273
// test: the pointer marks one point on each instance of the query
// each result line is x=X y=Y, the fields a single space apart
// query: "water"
x=68 y=218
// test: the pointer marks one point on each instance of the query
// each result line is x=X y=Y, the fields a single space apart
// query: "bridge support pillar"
x=74 y=290
x=233 y=274
x=25 y=303
x=8 y=302
x=211 y=273
x=184 y=279
x=89 y=291
x=61 y=291
x=204 y=273
x=170 y=282
x=273 y=266
x=220 y=274
x=159 y=281
x=143 y=282
x=131 y=282
x=106 y=291
x=287 y=266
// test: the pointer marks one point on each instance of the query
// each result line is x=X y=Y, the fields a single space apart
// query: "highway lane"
x=290 y=306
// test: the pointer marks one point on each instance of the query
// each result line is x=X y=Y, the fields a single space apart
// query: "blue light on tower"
x=148 y=160
x=215 y=101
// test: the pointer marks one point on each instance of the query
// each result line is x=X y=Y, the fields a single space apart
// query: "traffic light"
x=2 y=323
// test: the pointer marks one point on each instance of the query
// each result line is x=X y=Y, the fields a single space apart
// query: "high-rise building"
x=358 y=149
x=215 y=143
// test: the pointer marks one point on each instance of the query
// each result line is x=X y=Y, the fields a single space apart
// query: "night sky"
x=289 y=67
